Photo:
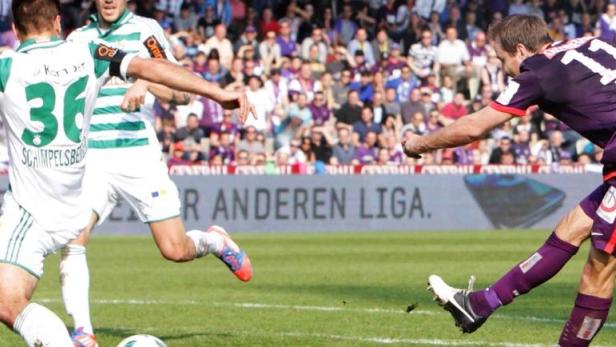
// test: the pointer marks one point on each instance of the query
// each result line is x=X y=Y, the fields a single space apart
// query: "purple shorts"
x=600 y=205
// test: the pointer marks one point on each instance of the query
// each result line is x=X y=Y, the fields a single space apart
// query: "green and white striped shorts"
x=25 y=243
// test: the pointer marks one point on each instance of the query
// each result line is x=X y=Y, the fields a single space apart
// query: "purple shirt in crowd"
x=287 y=48
x=320 y=114
x=365 y=155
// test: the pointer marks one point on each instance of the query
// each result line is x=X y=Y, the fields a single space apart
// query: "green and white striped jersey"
x=47 y=96
x=111 y=127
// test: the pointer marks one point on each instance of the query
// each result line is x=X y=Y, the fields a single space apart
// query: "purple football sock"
x=538 y=268
x=585 y=321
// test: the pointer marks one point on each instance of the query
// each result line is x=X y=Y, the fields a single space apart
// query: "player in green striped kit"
x=125 y=160
x=48 y=90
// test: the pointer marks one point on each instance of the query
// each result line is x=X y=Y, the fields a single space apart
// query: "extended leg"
x=177 y=245
x=471 y=309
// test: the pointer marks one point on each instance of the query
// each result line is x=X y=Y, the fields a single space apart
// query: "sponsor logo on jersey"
x=607 y=209
x=105 y=52
x=154 y=48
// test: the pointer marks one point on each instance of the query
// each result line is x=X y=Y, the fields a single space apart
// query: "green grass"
x=201 y=303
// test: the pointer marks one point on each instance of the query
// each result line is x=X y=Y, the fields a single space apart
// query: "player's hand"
x=409 y=147
x=135 y=96
x=239 y=100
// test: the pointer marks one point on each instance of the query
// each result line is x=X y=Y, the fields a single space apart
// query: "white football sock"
x=75 y=280
x=206 y=242
x=41 y=327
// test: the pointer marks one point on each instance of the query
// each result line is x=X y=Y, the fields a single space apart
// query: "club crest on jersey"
x=105 y=52
x=607 y=209
x=154 y=48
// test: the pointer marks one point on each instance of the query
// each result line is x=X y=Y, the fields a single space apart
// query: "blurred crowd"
x=344 y=82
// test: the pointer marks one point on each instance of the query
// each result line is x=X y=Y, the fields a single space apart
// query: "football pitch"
x=343 y=289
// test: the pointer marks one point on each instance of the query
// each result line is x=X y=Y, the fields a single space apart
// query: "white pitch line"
x=254 y=305
x=421 y=342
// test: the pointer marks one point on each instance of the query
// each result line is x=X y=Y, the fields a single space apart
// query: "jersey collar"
x=125 y=17
x=33 y=43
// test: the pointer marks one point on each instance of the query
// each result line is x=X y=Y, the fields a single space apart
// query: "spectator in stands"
x=521 y=147
x=345 y=27
x=186 y=20
x=306 y=148
x=270 y=53
x=277 y=92
x=220 y=42
x=381 y=45
x=211 y=116
x=207 y=24
x=247 y=40
x=343 y=153
x=327 y=87
x=423 y=55
x=166 y=136
x=268 y=22
x=417 y=125
x=288 y=46
x=606 y=25
x=215 y=72
x=503 y=147
x=405 y=83
x=191 y=137
x=361 y=43
x=366 y=124
x=242 y=158
x=556 y=148
x=453 y=56
x=228 y=126
x=478 y=51
x=364 y=87
x=412 y=106
x=365 y=153
x=340 y=89
x=305 y=83
x=433 y=122
x=350 y=112
x=456 y=108
x=250 y=143
x=320 y=113
x=223 y=149
x=257 y=95
x=492 y=73
x=471 y=25
x=392 y=106
x=315 y=39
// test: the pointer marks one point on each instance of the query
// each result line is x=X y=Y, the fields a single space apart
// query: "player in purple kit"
x=576 y=82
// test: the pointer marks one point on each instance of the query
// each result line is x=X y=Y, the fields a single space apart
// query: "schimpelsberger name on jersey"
x=53 y=158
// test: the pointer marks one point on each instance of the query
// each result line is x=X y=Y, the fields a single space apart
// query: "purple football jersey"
x=576 y=82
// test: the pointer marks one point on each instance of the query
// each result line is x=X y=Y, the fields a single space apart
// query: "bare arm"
x=461 y=132
x=168 y=95
x=175 y=77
